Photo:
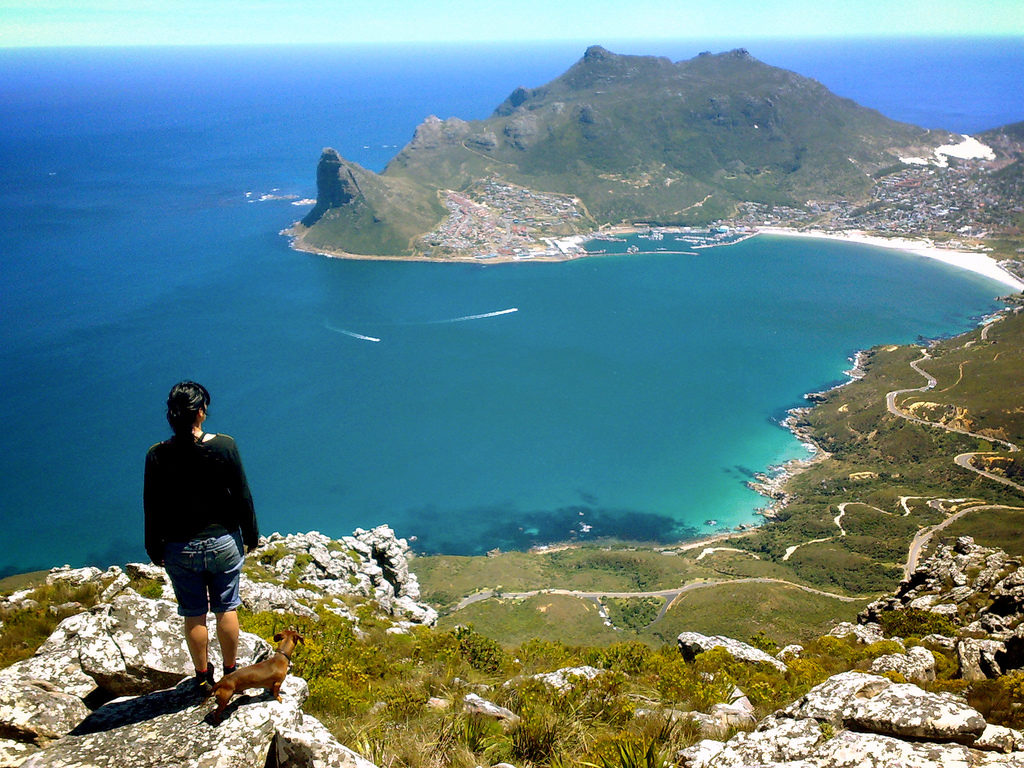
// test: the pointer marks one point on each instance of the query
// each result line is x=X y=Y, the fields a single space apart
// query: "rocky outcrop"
x=113 y=685
x=34 y=711
x=485 y=140
x=130 y=646
x=311 y=745
x=561 y=679
x=372 y=564
x=522 y=130
x=435 y=133
x=335 y=186
x=977 y=588
x=56 y=709
x=693 y=643
x=565 y=679
x=979 y=658
x=173 y=727
x=865 y=721
x=980 y=591
x=738 y=712
x=866 y=634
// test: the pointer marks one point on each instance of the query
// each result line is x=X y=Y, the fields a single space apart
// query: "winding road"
x=964 y=459
x=924 y=536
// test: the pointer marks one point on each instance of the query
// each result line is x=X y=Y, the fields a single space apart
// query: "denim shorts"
x=204 y=573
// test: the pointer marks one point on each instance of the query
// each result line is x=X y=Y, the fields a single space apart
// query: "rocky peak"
x=435 y=133
x=597 y=53
x=335 y=185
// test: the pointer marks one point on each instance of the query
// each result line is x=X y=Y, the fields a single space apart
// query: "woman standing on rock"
x=199 y=522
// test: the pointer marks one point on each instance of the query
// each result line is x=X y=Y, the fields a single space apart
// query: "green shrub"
x=482 y=653
x=634 y=612
x=150 y=588
x=913 y=621
x=763 y=642
x=537 y=655
x=630 y=657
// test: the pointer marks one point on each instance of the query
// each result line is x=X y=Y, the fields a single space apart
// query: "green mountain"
x=626 y=139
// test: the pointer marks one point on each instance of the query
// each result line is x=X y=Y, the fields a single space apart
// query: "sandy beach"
x=971 y=261
x=565 y=249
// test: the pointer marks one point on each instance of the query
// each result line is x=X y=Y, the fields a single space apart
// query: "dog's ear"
x=300 y=638
x=278 y=637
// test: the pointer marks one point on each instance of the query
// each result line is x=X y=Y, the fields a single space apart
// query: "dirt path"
x=670 y=595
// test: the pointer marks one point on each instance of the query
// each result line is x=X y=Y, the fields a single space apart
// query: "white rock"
x=776 y=740
x=479 y=706
x=37 y=711
x=866 y=634
x=906 y=711
x=564 y=679
x=916 y=665
x=73 y=576
x=789 y=652
x=997 y=738
x=692 y=643
x=871 y=750
x=700 y=754
x=311 y=745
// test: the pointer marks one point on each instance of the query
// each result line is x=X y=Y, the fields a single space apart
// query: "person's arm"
x=151 y=503
x=245 y=510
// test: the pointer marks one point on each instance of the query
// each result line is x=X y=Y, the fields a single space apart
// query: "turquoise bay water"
x=626 y=396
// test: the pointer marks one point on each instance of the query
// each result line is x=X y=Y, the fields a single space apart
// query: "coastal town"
x=954 y=201
x=497 y=219
x=967 y=198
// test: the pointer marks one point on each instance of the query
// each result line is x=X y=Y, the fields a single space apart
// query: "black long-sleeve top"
x=196 y=489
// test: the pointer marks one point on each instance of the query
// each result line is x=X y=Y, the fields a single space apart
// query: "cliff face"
x=335 y=186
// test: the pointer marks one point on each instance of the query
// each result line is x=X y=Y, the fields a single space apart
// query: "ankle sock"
x=206 y=676
x=229 y=670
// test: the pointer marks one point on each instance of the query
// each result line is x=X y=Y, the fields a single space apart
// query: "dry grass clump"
x=25 y=629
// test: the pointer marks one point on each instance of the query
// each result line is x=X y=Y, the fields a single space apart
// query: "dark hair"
x=184 y=402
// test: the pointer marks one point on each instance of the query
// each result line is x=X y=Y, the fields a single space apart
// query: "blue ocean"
x=142 y=192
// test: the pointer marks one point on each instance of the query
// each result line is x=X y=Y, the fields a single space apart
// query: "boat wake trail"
x=474 y=317
x=464 y=318
x=352 y=334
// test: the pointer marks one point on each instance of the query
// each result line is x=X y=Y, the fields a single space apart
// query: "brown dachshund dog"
x=269 y=673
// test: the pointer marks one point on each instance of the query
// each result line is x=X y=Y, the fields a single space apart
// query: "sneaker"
x=204 y=681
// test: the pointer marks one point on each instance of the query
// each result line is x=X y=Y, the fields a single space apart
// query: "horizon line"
x=908 y=36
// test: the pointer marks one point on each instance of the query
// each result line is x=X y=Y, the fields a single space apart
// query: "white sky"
x=200 y=22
